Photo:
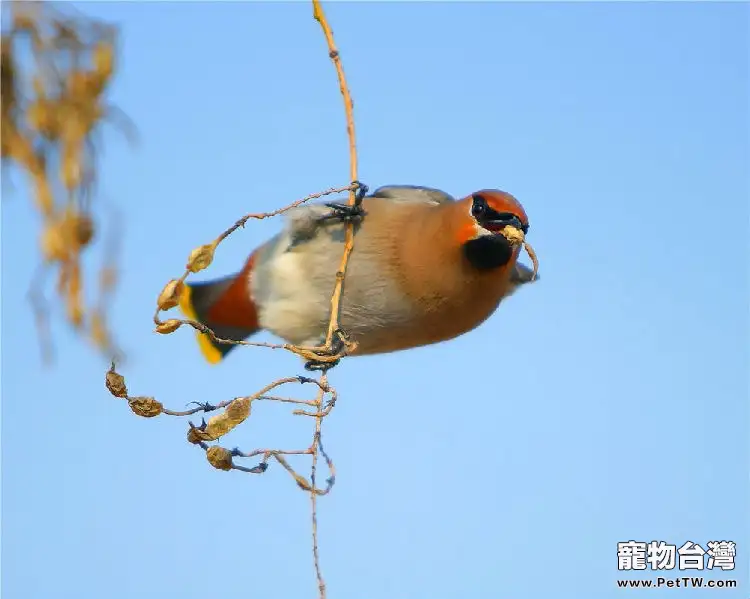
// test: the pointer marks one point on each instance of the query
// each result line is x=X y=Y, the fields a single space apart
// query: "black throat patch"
x=488 y=252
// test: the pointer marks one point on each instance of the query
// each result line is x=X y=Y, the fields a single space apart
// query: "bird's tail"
x=224 y=306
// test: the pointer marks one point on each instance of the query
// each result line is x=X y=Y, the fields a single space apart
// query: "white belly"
x=293 y=309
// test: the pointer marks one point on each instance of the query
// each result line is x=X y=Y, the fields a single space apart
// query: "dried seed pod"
x=219 y=458
x=239 y=409
x=147 y=407
x=201 y=257
x=116 y=383
x=234 y=414
x=168 y=326
x=192 y=437
x=170 y=295
x=302 y=482
x=196 y=435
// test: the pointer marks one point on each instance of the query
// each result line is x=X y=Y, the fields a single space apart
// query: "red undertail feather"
x=224 y=306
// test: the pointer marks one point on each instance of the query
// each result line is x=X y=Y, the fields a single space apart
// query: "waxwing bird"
x=425 y=268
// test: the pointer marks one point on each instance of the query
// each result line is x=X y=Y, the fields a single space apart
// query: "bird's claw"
x=338 y=345
x=338 y=341
x=343 y=212
x=348 y=213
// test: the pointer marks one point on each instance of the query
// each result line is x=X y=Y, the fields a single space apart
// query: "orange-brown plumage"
x=450 y=295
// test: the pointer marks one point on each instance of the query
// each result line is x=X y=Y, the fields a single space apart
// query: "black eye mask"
x=492 y=220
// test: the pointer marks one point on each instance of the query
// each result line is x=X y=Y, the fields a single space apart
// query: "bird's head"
x=487 y=213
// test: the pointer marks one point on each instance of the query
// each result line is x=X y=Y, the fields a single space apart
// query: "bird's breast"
x=439 y=314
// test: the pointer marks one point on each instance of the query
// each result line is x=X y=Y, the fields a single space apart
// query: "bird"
x=425 y=268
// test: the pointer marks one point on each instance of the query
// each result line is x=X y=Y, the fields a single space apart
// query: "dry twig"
x=517 y=237
x=328 y=355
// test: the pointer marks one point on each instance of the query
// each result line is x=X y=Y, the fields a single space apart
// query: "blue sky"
x=608 y=402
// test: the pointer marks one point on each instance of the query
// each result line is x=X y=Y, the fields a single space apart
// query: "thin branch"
x=333 y=324
x=314 y=498
x=335 y=56
x=238 y=409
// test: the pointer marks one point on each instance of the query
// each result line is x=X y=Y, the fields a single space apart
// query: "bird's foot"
x=334 y=352
x=344 y=212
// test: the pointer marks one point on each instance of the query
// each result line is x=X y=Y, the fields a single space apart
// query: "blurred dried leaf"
x=56 y=68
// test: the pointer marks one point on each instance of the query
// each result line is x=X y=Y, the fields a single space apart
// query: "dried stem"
x=314 y=496
x=335 y=56
x=238 y=409
x=333 y=324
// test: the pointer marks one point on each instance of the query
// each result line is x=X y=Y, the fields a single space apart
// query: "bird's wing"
x=412 y=193
x=303 y=223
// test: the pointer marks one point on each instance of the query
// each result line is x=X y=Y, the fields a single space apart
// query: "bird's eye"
x=479 y=207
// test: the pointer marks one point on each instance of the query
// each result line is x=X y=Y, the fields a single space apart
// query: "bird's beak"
x=499 y=224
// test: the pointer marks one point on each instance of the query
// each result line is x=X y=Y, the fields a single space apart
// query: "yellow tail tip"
x=186 y=302
x=208 y=349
